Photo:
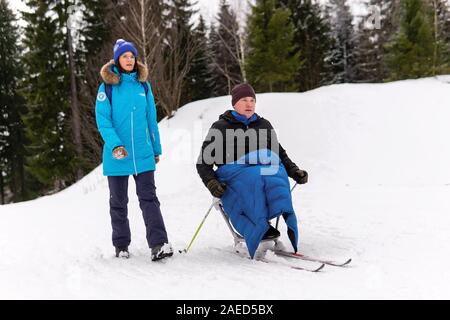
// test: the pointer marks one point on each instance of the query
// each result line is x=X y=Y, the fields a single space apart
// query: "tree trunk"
x=436 y=40
x=2 y=191
x=74 y=104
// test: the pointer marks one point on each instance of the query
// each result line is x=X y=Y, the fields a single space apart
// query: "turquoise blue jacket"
x=130 y=122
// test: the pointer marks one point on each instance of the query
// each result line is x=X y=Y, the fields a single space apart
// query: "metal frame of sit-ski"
x=236 y=236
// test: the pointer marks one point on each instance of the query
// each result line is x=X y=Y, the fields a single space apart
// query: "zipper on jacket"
x=132 y=143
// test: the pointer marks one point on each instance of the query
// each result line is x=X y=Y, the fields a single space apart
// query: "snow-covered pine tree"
x=342 y=54
x=375 y=30
x=367 y=58
x=370 y=41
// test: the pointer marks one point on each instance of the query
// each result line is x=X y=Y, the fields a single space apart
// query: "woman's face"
x=127 y=61
x=246 y=106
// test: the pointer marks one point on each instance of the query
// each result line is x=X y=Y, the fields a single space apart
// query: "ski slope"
x=378 y=157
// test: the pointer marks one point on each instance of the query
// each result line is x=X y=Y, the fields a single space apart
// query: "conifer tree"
x=342 y=54
x=272 y=63
x=12 y=153
x=50 y=151
x=312 y=42
x=410 y=55
x=199 y=86
x=375 y=31
x=440 y=27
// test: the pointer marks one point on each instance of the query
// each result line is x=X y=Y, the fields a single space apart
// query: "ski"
x=294 y=267
x=266 y=260
x=307 y=258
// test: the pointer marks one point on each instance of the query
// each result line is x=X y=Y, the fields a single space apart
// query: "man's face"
x=246 y=106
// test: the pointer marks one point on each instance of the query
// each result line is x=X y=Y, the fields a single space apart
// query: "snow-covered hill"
x=378 y=157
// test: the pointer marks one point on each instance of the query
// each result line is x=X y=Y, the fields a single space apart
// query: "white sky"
x=17 y=5
x=208 y=7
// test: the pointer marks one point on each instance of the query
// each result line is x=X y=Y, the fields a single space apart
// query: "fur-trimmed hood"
x=110 y=77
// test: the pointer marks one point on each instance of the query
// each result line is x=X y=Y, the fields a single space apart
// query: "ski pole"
x=294 y=186
x=278 y=219
x=199 y=227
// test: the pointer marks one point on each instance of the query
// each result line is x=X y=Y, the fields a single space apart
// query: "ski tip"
x=347 y=262
x=319 y=268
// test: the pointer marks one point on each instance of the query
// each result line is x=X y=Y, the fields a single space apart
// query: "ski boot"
x=161 y=251
x=122 y=252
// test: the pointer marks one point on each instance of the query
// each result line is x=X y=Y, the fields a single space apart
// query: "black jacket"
x=257 y=135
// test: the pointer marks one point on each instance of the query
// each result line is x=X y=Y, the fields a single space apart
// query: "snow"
x=377 y=156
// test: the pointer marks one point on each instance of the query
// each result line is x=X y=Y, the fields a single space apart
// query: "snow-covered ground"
x=378 y=156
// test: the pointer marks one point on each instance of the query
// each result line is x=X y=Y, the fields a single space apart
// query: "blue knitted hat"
x=121 y=47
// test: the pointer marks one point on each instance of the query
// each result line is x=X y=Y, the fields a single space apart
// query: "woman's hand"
x=156 y=159
x=120 y=152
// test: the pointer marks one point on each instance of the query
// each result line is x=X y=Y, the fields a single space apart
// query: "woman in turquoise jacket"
x=126 y=118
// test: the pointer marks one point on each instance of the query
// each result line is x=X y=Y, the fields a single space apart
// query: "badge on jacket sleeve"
x=101 y=96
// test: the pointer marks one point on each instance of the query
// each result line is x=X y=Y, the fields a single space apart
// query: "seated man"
x=253 y=169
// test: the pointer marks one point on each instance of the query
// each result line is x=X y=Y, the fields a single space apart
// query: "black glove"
x=300 y=176
x=216 y=188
